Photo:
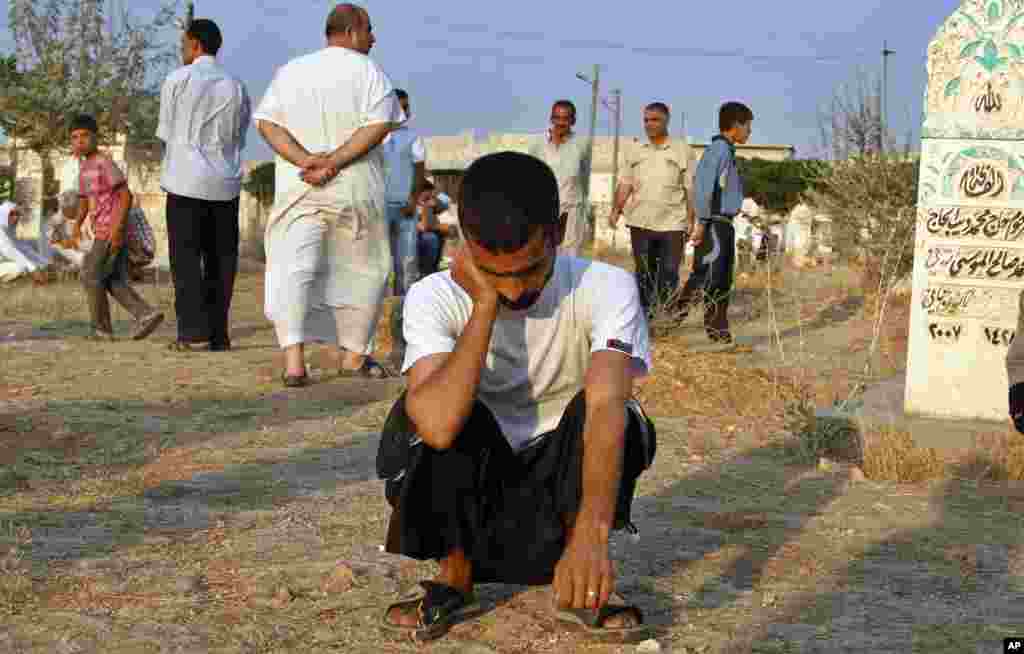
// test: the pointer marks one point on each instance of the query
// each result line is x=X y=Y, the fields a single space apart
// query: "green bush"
x=6 y=188
x=778 y=186
x=260 y=182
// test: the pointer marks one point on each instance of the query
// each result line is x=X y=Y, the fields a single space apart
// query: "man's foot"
x=723 y=337
x=101 y=336
x=295 y=380
x=616 y=622
x=429 y=615
x=370 y=369
x=147 y=325
x=220 y=346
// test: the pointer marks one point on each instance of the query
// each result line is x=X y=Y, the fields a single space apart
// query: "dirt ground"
x=160 y=502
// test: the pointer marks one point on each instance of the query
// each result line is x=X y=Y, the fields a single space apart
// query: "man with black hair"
x=717 y=198
x=204 y=115
x=516 y=449
x=654 y=195
x=569 y=157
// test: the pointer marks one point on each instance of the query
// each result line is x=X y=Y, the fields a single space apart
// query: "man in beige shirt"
x=654 y=193
x=568 y=155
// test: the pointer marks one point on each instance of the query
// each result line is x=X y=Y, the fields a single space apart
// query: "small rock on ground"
x=649 y=647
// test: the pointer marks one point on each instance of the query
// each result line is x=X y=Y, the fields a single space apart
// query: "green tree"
x=778 y=186
x=82 y=56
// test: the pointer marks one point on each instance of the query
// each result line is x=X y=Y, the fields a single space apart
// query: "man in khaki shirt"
x=568 y=155
x=654 y=193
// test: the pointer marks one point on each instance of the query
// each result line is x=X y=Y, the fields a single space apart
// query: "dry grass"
x=892 y=455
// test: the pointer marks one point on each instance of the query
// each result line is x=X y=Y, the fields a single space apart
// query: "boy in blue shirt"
x=717 y=198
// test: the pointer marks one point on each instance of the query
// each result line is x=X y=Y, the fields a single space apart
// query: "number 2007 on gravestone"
x=1015 y=645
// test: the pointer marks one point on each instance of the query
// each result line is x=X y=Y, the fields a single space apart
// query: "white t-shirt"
x=538 y=358
x=403 y=149
x=69 y=174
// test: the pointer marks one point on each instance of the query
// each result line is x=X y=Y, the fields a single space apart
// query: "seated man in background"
x=430 y=232
x=62 y=238
x=17 y=258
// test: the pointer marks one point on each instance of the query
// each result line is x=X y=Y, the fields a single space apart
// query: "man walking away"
x=328 y=255
x=718 y=197
x=204 y=114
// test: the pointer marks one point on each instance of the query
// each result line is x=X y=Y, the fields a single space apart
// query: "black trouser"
x=202 y=239
x=506 y=510
x=657 y=256
x=713 y=264
x=102 y=274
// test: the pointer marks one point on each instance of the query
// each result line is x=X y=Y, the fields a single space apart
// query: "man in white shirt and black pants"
x=406 y=157
x=204 y=114
x=516 y=449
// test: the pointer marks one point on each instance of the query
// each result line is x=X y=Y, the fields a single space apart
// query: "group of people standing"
x=517 y=447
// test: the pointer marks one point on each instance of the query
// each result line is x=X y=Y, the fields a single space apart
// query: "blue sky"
x=495 y=66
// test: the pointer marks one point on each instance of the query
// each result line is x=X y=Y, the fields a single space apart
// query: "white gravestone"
x=969 y=247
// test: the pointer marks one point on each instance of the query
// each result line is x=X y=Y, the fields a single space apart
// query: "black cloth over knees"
x=503 y=508
x=712 y=274
x=202 y=240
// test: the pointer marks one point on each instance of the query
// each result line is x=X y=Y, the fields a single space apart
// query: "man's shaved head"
x=346 y=17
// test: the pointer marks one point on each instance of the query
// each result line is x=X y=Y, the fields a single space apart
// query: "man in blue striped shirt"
x=717 y=198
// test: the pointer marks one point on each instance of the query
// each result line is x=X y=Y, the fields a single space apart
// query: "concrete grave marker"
x=969 y=249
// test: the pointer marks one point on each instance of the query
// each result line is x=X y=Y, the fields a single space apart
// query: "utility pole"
x=190 y=14
x=595 y=83
x=885 y=92
x=616 y=107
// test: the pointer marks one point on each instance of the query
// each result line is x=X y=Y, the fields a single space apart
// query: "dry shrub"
x=996 y=457
x=891 y=455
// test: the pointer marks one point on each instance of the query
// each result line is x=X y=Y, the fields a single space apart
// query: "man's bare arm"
x=419 y=178
x=609 y=384
x=442 y=387
x=365 y=139
x=622 y=194
x=584 y=577
x=283 y=143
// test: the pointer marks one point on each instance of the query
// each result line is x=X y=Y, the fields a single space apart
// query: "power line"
x=600 y=44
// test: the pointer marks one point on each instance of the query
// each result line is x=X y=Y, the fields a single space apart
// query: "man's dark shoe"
x=184 y=346
x=721 y=337
x=1017 y=406
x=220 y=346
x=294 y=381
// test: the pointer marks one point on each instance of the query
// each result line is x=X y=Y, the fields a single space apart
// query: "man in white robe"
x=328 y=255
x=17 y=258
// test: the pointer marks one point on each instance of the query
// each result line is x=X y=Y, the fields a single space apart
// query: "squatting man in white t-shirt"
x=516 y=448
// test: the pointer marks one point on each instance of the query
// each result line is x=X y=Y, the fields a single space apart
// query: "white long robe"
x=322 y=99
x=16 y=257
